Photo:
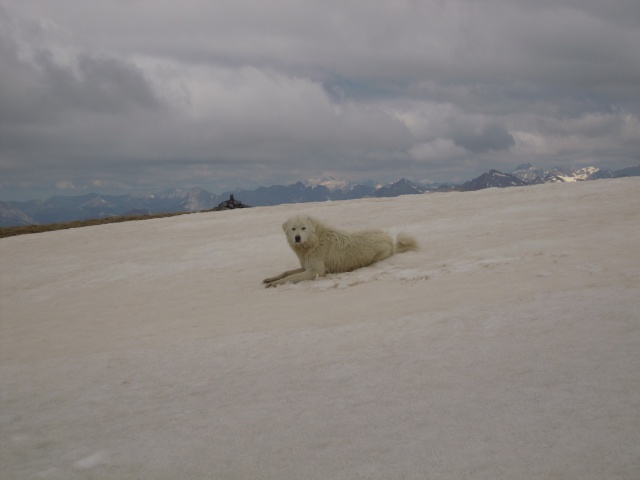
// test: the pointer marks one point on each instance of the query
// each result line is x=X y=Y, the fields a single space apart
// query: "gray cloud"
x=490 y=137
x=223 y=94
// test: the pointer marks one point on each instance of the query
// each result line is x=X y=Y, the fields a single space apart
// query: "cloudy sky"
x=122 y=96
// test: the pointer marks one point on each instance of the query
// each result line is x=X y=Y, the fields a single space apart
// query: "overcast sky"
x=127 y=96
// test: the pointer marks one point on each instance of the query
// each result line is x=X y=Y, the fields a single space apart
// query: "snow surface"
x=508 y=347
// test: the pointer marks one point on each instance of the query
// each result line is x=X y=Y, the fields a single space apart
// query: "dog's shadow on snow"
x=359 y=277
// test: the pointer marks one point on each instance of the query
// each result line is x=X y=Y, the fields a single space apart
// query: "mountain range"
x=528 y=174
x=59 y=209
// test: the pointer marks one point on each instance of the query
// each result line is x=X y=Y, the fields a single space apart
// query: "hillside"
x=507 y=347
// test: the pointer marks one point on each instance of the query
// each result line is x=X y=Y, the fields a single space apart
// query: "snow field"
x=507 y=347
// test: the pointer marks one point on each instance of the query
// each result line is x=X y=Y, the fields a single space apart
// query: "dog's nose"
x=297 y=239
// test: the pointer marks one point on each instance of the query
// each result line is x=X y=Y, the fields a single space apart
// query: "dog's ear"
x=285 y=226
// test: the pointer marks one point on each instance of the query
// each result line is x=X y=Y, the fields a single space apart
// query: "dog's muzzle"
x=297 y=238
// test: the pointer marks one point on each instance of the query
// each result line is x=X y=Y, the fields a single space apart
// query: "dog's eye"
x=304 y=228
x=293 y=229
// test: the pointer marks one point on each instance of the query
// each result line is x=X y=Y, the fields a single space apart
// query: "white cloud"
x=67 y=185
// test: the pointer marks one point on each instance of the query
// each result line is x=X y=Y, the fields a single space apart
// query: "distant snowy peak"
x=401 y=187
x=558 y=174
x=191 y=199
x=97 y=202
x=528 y=173
x=331 y=183
x=11 y=215
x=180 y=192
x=585 y=173
x=493 y=179
x=344 y=189
x=534 y=175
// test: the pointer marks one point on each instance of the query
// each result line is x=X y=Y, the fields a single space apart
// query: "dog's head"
x=300 y=230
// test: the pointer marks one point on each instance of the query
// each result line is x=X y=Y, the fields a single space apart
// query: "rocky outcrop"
x=230 y=204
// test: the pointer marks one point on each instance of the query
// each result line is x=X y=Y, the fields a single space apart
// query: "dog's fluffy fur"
x=322 y=249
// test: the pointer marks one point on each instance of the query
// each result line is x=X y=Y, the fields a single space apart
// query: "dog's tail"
x=406 y=243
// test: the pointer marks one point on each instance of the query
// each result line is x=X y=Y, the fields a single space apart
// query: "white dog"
x=322 y=249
